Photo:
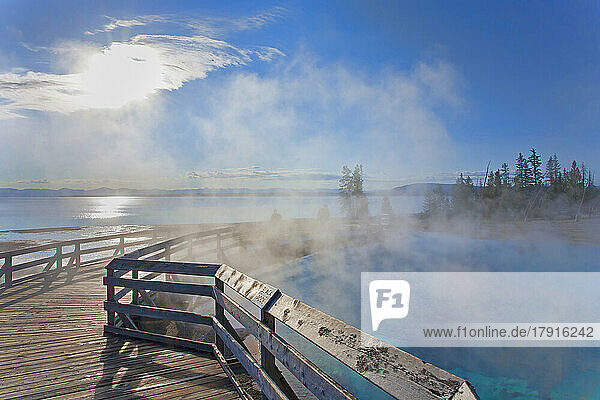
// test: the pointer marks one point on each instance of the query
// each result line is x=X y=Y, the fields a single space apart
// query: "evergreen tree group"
x=529 y=191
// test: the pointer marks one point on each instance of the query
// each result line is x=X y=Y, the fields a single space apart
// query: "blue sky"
x=282 y=94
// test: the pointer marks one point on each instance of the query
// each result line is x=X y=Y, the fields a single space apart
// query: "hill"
x=419 y=189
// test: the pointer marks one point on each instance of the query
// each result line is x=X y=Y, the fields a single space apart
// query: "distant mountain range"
x=100 y=192
x=419 y=189
x=415 y=189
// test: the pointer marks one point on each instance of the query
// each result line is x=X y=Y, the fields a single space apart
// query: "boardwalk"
x=51 y=343
x=51 y=346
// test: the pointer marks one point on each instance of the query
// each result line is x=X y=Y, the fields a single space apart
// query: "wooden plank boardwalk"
x=51 y=346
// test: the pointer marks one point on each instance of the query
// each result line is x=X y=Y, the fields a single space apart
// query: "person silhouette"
x=323 y=214
x=276 y=217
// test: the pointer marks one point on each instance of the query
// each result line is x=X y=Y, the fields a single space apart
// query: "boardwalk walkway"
x=51 y=346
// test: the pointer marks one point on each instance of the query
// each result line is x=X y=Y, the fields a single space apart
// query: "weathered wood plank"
x=133 y=367
x=34 y=263
x=254 y=290
x=160 y=313
x=7 y=271
x=111 y=358
x=52 y=246
x=266 y=384
x=405 y=375
x=395 y=371
x=305 y=371
x=99 y=249
x=168 y=243
x=170 y=287
x=230 y=374
x=119 y=295
x=51 y=343
x=168 y=267
x=155 y=337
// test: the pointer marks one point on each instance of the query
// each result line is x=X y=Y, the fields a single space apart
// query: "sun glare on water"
x=120 y=74
x=106 y=208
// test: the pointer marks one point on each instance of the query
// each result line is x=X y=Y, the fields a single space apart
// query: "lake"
x=25 y=213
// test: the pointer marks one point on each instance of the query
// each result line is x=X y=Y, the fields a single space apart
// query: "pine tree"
x=553 y=174
x=574 y=175
x=497 y=183
x=535 y=172
x=573 y=181
x=550 y=171
x=505 y=174
x=463 y=194
x=521 y=176
x=357 y=181
x=497 y=178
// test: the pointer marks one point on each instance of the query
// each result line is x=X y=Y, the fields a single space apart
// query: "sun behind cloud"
x=120 y=74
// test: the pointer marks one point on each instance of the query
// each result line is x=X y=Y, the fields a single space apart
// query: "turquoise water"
x=331 y=282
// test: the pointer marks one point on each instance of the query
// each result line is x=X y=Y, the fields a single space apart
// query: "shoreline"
x=585 y=231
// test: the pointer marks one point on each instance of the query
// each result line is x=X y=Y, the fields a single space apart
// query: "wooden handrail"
x=74 y=261
x=178 y=240
x=399 y=374
x=72 y=242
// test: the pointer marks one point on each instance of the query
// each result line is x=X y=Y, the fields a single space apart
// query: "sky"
x=155 y=94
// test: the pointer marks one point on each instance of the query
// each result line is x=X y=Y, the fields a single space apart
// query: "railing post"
x=167 y=252
x=110 y=297
x=134 y=293
x=77 y=255
x=59 y=258
x=267 y=360
x=7 y=270
x=122 y=244
x=220 y=315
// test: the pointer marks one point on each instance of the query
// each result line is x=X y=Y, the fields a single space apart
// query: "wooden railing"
x=257 y=306
x=49 y=260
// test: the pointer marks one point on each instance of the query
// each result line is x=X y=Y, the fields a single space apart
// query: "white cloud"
x=28 y=182
x=115 y=23
x=121 y=72
x=260 y=173
x=200 y=25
